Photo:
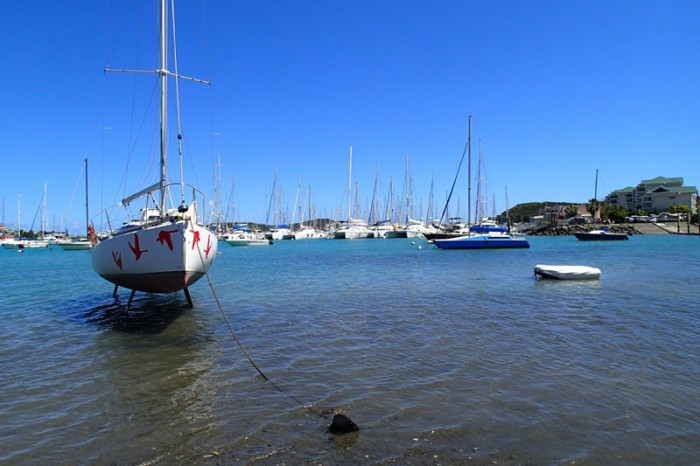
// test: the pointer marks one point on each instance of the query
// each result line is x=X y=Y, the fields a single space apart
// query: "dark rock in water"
x=342 y=425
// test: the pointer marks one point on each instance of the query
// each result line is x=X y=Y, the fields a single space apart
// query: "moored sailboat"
x=602 y=234
x=354 y=228
x=487 y=235
x=164 y=249
x=81 y=244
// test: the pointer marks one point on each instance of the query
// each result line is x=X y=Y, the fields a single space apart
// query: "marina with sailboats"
x=311 y=253
x=429 y=352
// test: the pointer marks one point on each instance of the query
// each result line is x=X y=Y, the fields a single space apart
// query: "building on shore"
x=656 y=194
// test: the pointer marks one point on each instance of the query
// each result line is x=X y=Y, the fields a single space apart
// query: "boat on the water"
x=567 y=272
x=353 y=228
x=162 y=250
x=485 y=234
x=487 y=225
x=242 y=235
x=75 y=244
x=413 y=229
x=81 y=244
x=600 y=235
x=25 y=244
x=493 y=240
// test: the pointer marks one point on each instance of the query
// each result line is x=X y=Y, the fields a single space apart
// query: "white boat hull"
x=567 y=272
x=33 y=244
x=308 y=234
x=240 y=242
x=164 y=258
x=412 y=234
x=75 y=245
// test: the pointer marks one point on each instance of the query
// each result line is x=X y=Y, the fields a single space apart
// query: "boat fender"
x=91 y=232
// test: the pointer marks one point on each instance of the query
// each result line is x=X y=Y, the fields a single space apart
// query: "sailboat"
x=26 y=243
x=355 y=227
x=80 y=244
x=487 y=239
x=162 y=250
x=412 y=228
x=602 y=234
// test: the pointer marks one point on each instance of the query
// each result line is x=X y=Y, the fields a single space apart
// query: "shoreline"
x=627 y=228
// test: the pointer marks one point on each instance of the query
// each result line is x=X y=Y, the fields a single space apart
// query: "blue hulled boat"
x=494 y=240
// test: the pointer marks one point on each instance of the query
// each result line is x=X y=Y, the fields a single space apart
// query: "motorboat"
x=600 y=235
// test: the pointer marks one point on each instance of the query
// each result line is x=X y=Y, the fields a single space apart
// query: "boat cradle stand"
x=133 y=292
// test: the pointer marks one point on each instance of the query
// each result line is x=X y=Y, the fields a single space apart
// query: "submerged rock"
x=342 y=425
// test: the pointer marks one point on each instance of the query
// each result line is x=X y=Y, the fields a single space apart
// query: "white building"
x=657 y=194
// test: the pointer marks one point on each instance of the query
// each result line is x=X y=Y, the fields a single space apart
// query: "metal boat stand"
x=131 y=298
x=128 y=304
x=133 y=292
x=187 y=295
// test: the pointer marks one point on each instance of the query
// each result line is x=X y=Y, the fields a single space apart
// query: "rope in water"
x=341 y=423
x=245 y=352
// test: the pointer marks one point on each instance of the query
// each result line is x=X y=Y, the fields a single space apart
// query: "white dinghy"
x=567 y=272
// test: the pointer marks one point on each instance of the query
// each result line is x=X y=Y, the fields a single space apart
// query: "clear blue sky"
x=557 y=89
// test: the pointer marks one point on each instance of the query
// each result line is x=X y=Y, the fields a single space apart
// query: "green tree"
x=571 y=211
x=679 y=209
x=616 y=213
x=593 y=206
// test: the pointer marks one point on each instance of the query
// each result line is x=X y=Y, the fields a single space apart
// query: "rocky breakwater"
x=564 y=230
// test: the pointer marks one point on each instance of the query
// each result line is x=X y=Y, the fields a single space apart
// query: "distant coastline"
x=628 y=228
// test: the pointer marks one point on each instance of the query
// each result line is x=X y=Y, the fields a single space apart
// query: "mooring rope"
x=341 y=423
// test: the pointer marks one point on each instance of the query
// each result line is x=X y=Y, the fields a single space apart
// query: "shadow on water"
x=148 y=314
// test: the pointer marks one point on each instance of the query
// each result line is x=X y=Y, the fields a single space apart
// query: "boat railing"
x=121 y=217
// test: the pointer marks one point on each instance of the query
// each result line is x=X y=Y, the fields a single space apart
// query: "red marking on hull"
x=206 y=251
x=116 y=255
x=136 y=249
x=164 y=237
x=195 y=238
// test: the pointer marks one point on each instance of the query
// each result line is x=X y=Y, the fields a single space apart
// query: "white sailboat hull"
x=163 y=258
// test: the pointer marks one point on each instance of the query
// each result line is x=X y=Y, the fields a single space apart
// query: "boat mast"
x=310 y=215
x=373 y=216
x=479 y=201
x=406 y=189
x=429 y=215
x=595 y=196
x=163 y=73
x=43 y=213
x=298 y=209
x=349 y=185
x=469 y=174
x=87 y=209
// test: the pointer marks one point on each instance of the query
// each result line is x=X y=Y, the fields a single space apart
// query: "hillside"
x=522 y=212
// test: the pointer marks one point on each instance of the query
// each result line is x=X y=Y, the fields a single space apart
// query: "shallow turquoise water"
x=439 y=356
